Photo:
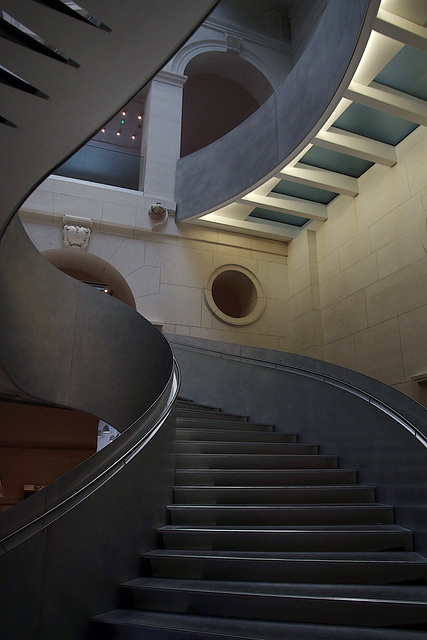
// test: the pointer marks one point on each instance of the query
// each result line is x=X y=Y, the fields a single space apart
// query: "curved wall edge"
x=286 y=122
x=65 y=343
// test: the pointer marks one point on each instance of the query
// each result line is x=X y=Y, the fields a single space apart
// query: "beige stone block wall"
x=372 y=272
x=167 y=268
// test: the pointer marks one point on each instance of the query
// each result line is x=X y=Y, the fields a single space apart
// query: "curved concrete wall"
x=217 y=174
x=64 y=342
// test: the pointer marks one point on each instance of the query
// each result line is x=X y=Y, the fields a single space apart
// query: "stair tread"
x=237 y=629
x=233 y=432
x=279 y=487
x=359 y=528
x=281 y=507
x=368 y=557
x=408 y=594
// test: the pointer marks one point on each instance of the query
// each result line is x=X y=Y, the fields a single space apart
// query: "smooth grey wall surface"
x=281 y=127
x=51 y=584
x=66 y=343
x=246 y=380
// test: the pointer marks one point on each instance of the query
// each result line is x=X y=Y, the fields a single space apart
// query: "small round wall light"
x=235 y=295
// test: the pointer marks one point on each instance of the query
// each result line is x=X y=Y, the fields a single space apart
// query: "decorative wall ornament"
x=76 y=231
x=233 y=43
x=157 y=212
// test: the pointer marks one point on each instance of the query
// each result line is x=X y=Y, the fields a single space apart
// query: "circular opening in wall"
x=234 y=295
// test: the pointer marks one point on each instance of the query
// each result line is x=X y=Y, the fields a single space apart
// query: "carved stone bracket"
x=233 y=43
x=76 y=231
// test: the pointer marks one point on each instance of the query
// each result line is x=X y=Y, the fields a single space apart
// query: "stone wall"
x=369 y=263
x=352 y=292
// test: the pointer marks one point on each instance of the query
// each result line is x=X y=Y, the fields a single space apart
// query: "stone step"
x=292 y=538
x=272 y=566
x=222 y=423
x=224 y=435
x=276 y=448
x=254 y=461
x=135 y=624
x=355 y=605
x=273 y=495
x=269 y=477
x=270 y=515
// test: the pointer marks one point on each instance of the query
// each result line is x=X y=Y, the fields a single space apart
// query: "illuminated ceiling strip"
x=383 y=98
x=402 y=30
x=287 y=204
x=321 y=179
x=356 y=146
x=268 y=186
x=265 y=228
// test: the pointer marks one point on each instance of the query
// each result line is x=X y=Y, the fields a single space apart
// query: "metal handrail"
x=321 y=377
x=47 y=518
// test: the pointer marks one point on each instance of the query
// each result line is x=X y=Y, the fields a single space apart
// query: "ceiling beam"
x=321 y=179
x=388 y=100
x=287 y=204
x=400 y=29
x=260 y=228
x=356 y=146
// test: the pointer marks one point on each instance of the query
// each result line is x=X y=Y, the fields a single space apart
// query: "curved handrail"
x=103 y=465
x=327 y=378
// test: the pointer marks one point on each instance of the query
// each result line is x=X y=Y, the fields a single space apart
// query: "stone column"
x=161 y=137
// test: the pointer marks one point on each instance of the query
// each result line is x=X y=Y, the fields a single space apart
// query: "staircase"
x=269 y=539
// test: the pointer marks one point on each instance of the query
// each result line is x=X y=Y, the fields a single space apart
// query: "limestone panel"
x=173 y=305
x=298 y=253
x=43 y=236
x=382 y=189
x=104 y=245
x=144 y=281
x=273 y=278
x=312 y=352
x=118 y=214
x=264 y=342
x=274 y=320
x=378 y=352
x=354 y=250
x=339 y=228
x=85 y=207
x=397 y=294
x=413 y=332
x=344 y=318
x=236 y=256
x=341 y=352
x=414 y=153
x=40 y=201
x=160 y=179
x=400 y=253
x=334 y=290
x=395 y=223
x=129 y=256
x=329 y=267
x=301 y=303
x=299 y=279
x=180 y=265
x=305 y=332
x=362 y=274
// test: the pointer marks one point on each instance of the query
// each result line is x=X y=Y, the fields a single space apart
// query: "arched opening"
x=222 y=90
x=91 y=269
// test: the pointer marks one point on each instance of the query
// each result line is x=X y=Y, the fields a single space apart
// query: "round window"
x=235 y=295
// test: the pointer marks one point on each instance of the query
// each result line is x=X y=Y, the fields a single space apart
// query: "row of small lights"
x=122 y=121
